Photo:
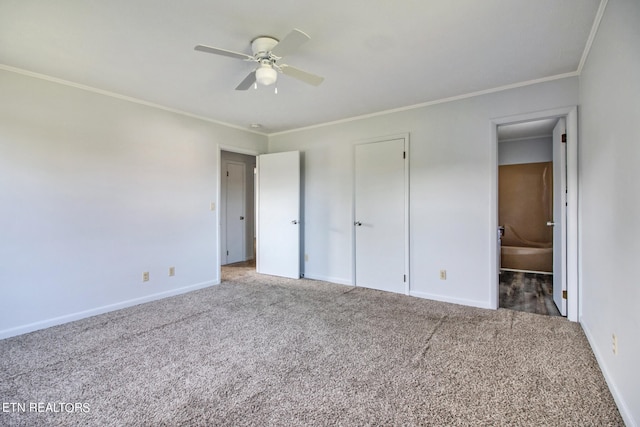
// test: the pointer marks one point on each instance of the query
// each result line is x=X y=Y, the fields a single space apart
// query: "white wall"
x=453 y=160
x=95 y=190
x=533 y=150
x=610 y=200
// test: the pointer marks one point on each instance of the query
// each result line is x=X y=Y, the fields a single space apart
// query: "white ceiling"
x=533 y=129
x=375 y=55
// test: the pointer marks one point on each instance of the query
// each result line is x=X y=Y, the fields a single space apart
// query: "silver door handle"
x=358 y=223
x=550 y=223
x=294 y=222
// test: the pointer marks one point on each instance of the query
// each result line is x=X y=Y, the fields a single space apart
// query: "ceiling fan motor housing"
x=262 y=46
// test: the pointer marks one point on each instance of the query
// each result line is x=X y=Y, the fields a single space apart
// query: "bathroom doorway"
x=532 y=215
x=565 y=268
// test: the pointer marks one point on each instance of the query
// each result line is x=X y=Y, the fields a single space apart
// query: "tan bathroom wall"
x=525 y=194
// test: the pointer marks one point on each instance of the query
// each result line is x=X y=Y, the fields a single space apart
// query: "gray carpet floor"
x=264 y=351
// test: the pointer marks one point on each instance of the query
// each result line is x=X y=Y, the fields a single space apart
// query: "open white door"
x=278 y=214
x=381 y=215
x=560 y=216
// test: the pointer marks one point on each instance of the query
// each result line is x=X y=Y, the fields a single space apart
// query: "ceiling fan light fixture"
x=266 y=75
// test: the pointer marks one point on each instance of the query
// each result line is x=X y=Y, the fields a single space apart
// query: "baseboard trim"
x=35 y=326
x=515 y=270
x=617 y=397
x=425 y=295
x=459 y=301
x=330 y=279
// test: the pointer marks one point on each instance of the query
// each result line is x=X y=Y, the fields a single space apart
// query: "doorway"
x=532 y=190
x=237 y=208
x=570 y=274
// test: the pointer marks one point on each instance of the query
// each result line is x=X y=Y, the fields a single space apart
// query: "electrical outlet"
x=145 y=276
x=443 y=274
x=172 y=271
x=306 y=257
x=614 y=342
x=212 y=206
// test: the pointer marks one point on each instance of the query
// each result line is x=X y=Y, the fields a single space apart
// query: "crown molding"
x=122 y=97
x=592 y=34
x=430 y=103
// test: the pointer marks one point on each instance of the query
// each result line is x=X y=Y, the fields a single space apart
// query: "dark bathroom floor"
x=530 y=292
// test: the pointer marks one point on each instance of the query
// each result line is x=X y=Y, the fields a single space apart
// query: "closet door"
x=380 y=215
x=235 y=212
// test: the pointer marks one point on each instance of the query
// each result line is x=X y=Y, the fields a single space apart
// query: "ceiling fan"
x=267 y=51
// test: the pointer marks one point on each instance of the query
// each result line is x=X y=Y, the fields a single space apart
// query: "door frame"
x=218 y=198
x=405 y=136
x=570 y=114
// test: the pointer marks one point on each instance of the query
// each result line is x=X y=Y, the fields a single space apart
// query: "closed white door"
x=235 y=212
x=380 y=215
x=278 y=214
x=559 y=222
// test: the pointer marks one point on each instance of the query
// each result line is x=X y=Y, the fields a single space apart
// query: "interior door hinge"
x=564 y=294
x=404 y=154
x=564 y=137
x=227 y=173
x=405 y=278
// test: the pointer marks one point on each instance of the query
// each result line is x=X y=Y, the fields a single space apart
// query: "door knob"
x=358 y=223
x=241 y=218
x=550 y=223
x=294 y=222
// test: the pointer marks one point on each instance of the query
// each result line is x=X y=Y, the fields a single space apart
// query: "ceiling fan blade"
x=224 y=52
x=247 y=82
x=290 y=43
x=299 y=74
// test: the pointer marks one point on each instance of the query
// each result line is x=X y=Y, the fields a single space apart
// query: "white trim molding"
x=31 y=327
